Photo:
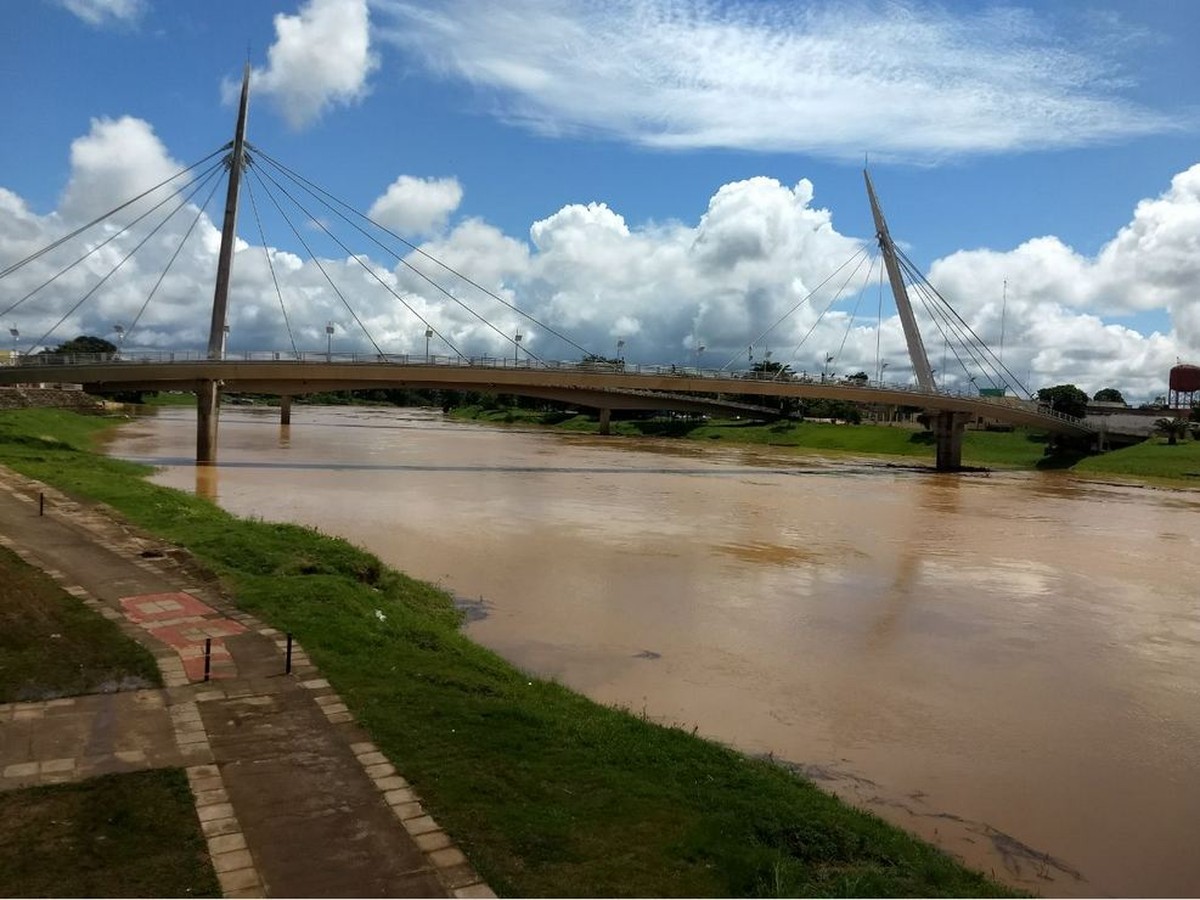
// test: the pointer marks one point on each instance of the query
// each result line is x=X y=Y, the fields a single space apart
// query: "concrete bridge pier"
x=605 y=417
x=948 y=428
x=208 y=412
x=285 y=409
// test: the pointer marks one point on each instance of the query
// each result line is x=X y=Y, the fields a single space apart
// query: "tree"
x=85 y=343
x=1171 y=429
x=1108 y=395
x=1066 y=399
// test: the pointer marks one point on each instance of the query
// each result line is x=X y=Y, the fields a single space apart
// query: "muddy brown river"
x=1007 y=665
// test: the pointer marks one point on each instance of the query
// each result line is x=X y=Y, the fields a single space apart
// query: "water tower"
x=1184 y=384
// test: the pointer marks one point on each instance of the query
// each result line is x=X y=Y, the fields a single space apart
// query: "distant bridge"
x=603 y=387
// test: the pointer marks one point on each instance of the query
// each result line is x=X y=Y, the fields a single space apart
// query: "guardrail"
x=494 y=362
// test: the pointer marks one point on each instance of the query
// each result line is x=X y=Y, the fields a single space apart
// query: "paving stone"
x=214 y=811
x=215 y=795
x=371 y=759
x=237 y=880
x=26 y=715
x=224 y=843
x=399 y=796
x=450 y=856
x=231 y=860
x=56 y=766
x=460 y=876
x=340 y=718
x=478 y=891
x=131 y=756
x=421 y=825
x=20 y=770
x=214 y=827
x=362 y=747
x=433 y=840
x=406 y=811
x=390 y=783
x=203 y=772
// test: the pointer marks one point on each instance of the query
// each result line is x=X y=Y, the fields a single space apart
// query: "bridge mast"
x=208 y=393
x=916 y=347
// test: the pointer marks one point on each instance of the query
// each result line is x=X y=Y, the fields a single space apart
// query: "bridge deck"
x=590 y=384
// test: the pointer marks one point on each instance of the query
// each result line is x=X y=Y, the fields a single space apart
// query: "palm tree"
x=1171 y=429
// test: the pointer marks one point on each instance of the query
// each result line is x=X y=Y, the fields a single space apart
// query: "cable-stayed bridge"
x=592 y=381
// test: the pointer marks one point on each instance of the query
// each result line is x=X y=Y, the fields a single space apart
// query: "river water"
x=1007 y=665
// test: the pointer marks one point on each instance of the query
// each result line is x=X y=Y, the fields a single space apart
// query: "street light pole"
x=517 y=348
x=620 y=344
x=328 y=342
x=16 y=336
x=120 y=332
x=428 y=335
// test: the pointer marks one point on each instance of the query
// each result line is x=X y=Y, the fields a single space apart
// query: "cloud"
x=106 y=12
x=757 y=253
x=321 y=57
x=1152 y=263
x=415 y=206
x=116 y=160
x=901 y=81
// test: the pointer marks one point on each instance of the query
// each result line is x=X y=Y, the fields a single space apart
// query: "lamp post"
x=517 y=347
x=428 y=335
x=620 y=345
x=224 y=340
x=120 y=332
x=882 y=368
x=328 y=342
x=16 y=336
x=825 y=368
x=700 y=354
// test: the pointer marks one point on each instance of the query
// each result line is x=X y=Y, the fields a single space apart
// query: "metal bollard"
x=287 y=666
x=207 y=658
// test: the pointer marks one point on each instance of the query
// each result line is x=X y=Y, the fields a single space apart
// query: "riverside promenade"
x=292 y=796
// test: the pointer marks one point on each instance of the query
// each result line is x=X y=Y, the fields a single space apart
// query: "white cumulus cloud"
x=115 y=161
x=321 y=57
x=416 y=206
x=899 y=80
x=106 y=12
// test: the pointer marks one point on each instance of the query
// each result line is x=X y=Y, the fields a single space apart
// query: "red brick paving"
x=183 y=622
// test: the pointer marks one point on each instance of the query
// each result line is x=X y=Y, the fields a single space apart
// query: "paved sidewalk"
x=292 y=797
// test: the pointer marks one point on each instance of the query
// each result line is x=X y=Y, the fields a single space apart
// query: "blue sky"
x=987 y=126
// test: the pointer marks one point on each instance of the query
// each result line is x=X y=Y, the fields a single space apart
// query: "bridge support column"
x=285 y=409
x=605 y=417
x=208 y=412
x=948 y=430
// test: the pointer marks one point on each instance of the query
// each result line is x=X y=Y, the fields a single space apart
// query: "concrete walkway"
x=291 y=795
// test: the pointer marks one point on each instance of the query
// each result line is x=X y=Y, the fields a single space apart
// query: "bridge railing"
x=184 y=357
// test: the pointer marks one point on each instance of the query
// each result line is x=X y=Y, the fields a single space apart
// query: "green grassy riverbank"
x=1018 y=449
x=548 y=793
x=1154 y=460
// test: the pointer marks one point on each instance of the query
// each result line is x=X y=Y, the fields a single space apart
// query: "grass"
x=170 y=398
x=133 y=835
x=1020 y=449
x=51 y=645
x=549 y=793
x=1154 y=459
